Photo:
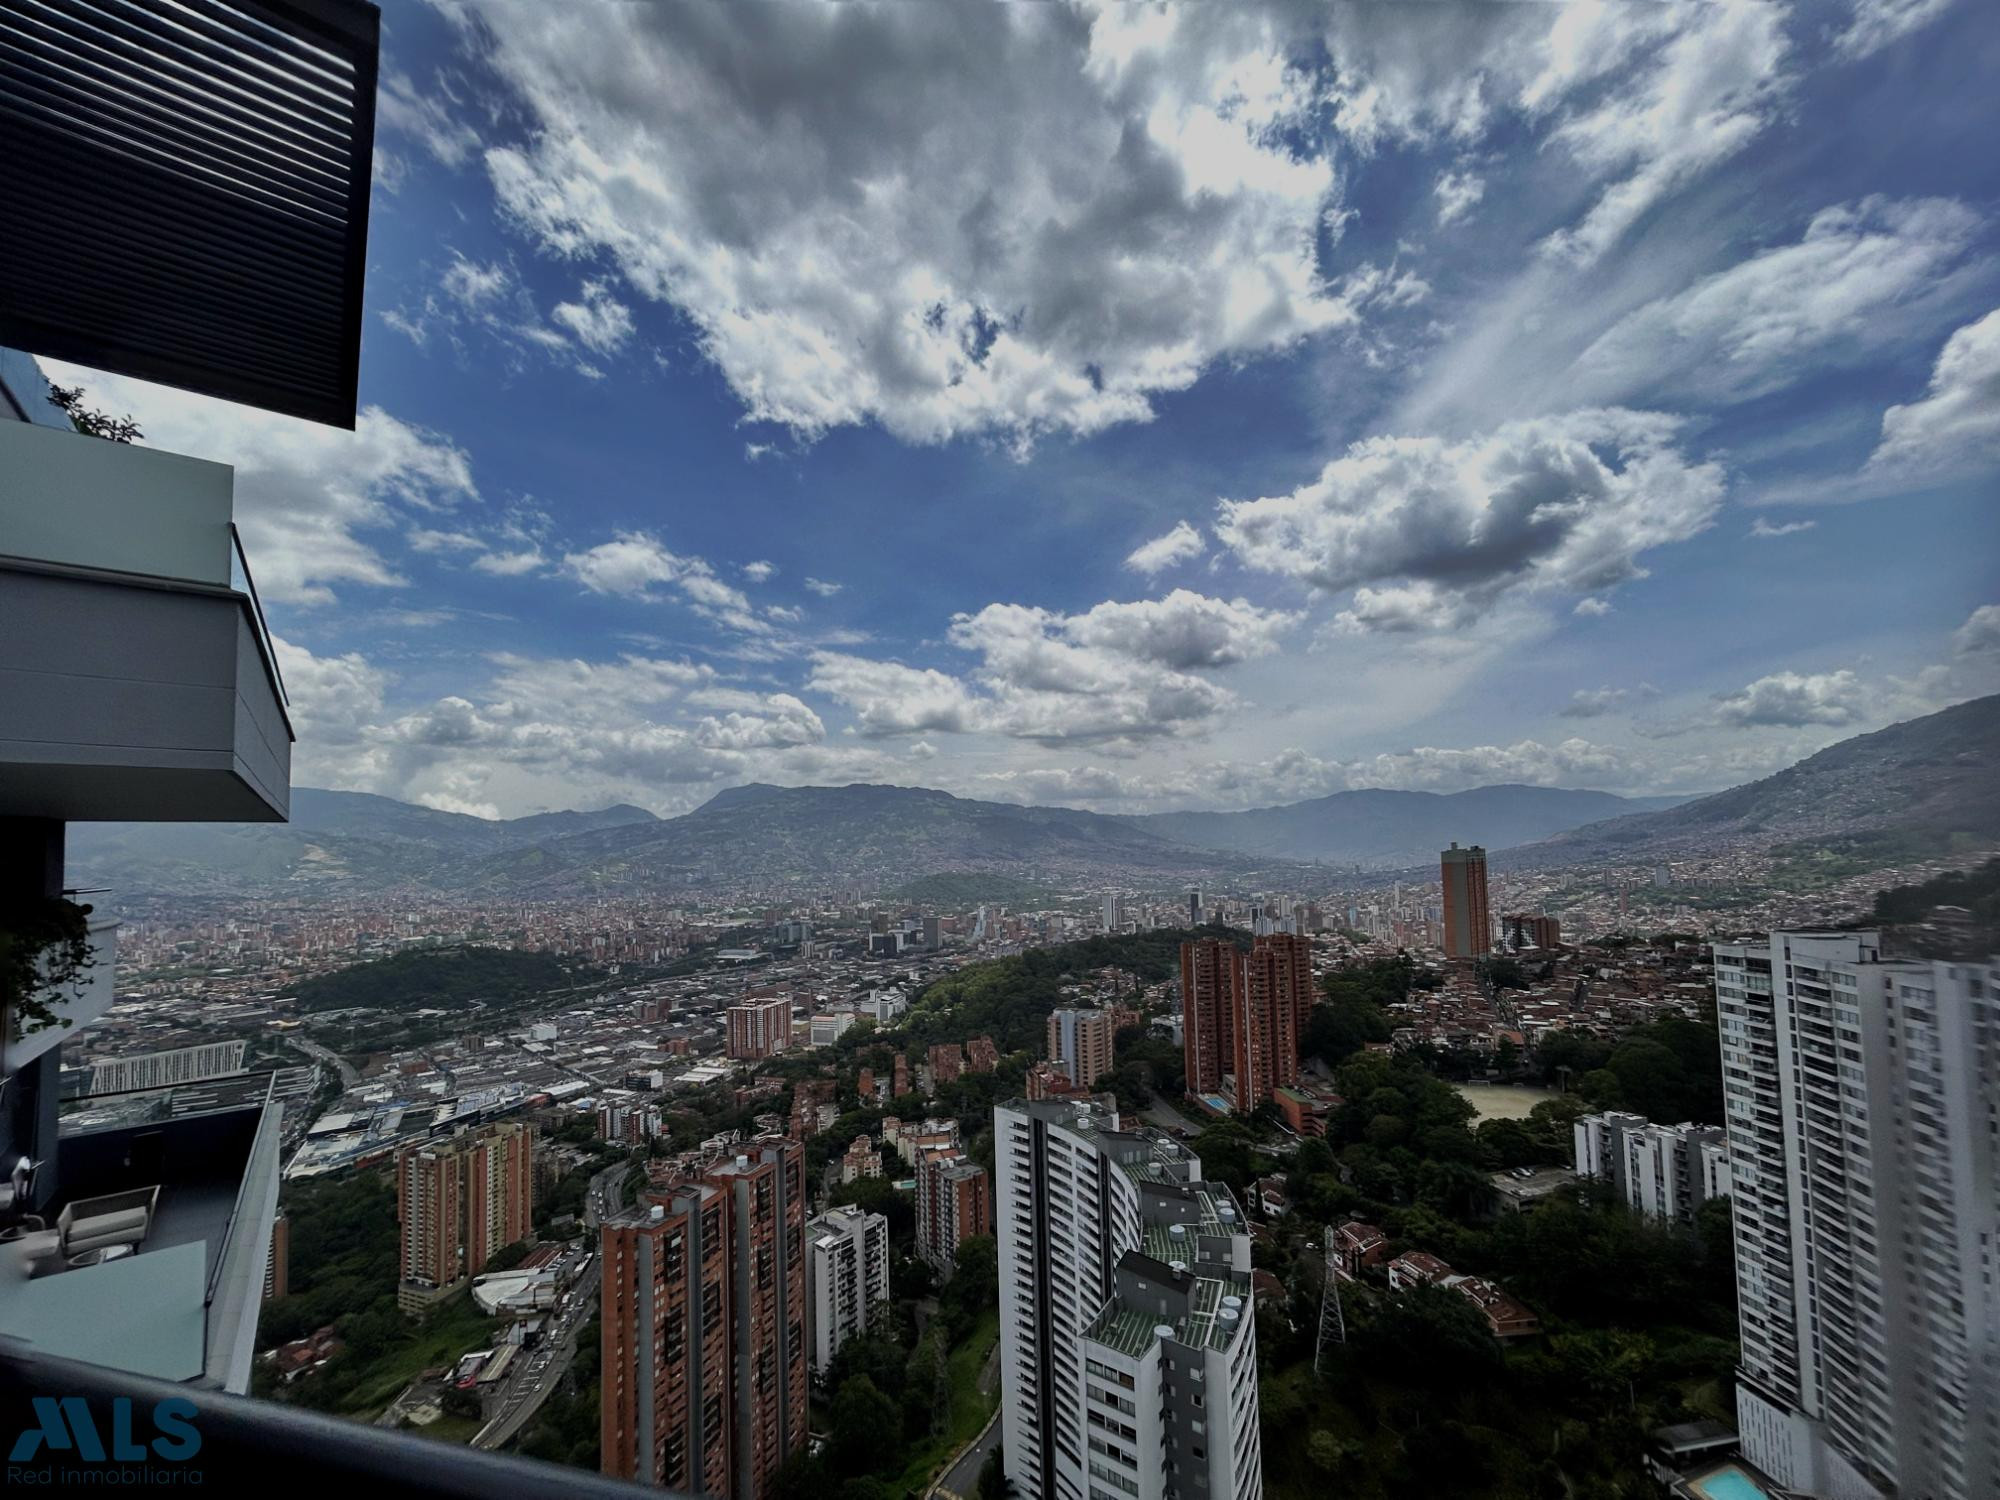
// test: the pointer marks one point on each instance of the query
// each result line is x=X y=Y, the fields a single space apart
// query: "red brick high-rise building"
x=1529 y=930
x=900 y=1077
x=760 y=1027
x=458 y=1201
x=1080 y=1044
x=954 y=1203
x=704 y=1341
x=1468 y=925
x=1242 y=1015
x=1271 y=1010
x=982 y=1054
x=664 y=1400
x=1211 y=976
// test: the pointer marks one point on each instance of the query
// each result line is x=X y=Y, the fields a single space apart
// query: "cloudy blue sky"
x=1144 y=407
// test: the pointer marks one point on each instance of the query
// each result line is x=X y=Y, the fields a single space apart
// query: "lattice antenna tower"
x=1332 y=1321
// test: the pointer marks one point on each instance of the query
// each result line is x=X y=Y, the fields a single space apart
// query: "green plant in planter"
x=44 y=948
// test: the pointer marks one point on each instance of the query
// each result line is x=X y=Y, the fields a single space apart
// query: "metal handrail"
x=264 y=1122
x=257 y=612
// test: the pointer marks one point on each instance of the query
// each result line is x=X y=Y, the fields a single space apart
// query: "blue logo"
x=66 y=1425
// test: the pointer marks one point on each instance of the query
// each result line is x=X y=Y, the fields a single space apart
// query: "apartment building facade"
x=706 y=1361
x=1272 y=1006
x=1861 y=1096
x=459 y=1200
x=665 y=1405
x=1242 y=1015
x=1665 y=1172
x=1128 y=1360
x=954 y=1203
x=1211 y=978
x=848 y=1275
x=1468 y=920
x=1080 y=1045
x=759 y=1028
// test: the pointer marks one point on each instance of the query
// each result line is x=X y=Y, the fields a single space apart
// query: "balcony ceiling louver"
x=184 y=192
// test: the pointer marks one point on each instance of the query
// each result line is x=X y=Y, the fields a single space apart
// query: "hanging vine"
x=44 y=949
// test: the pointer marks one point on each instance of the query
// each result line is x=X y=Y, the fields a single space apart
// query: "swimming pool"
x=1728 y=1483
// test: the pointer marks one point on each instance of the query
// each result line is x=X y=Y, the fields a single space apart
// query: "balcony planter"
x=56 y=975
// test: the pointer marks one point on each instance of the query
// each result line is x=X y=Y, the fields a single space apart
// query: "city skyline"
x=1167 y=409
x=1501 y=446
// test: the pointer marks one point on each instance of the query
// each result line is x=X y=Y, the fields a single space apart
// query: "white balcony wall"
x=81 y=501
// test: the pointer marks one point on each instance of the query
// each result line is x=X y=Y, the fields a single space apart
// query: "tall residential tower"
x=1276 y=996
x=848 y=1252
x=1211 y=977
x=1862 y=1097
x=1080 y=1044
x=704 y=1327
x=1128 y=1354
x=459 y=1200
x=1468 y=925
x=1242 y=1015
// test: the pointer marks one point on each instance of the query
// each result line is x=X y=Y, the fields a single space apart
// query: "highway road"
x=349 y=1076
x=521 y=1395
x=607 y=1196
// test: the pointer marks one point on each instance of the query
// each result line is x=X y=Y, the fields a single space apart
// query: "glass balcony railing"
x=244 y=584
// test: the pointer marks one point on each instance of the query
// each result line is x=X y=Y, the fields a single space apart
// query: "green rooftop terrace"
x=1129 y=1330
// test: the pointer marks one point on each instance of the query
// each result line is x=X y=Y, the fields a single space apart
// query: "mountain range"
x=1928 y=778
x=1396 y=828
x=1923 y=780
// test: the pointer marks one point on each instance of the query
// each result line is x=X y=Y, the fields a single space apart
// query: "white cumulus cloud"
x=1980 y=634
x=951 y=220
x=1458 y=193
x=1180 y=545
x=1431 y=532
x=1955 y=428
x=1795 y=699
x=1877 y=23
x=1118 y=672
x=1853 y=284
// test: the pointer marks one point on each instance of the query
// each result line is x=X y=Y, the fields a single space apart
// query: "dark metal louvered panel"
x=184 y=192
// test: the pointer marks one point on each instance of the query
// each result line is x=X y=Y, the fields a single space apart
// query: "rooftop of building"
x=1215 y=1215
x=1217 y=1307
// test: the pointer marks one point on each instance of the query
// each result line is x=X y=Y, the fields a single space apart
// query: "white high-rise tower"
x=1862 y=1099
x=1127 y=1346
